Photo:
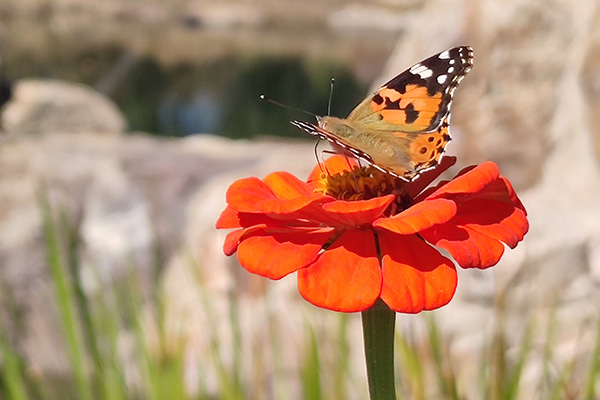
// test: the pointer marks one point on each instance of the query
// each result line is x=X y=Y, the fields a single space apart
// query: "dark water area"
x=220 y=96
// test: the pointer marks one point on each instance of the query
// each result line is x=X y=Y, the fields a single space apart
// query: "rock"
x=221 y=16
x=48 y=106
x=361 y=18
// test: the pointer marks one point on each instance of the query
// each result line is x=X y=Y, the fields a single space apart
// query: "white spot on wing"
x=441 y=79
x=450 y=70
x=421 y=70
x=444 y=55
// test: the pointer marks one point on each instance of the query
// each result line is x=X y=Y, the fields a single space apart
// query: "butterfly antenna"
x=330 y=96
x=268 y=100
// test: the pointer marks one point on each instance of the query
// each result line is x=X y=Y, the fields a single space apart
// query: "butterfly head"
x=333 y=124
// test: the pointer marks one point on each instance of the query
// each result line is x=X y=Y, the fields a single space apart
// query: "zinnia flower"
x=355 y=234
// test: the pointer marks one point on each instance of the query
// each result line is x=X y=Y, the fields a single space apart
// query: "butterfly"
x=402 y=128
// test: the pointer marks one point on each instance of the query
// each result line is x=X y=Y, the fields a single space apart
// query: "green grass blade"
x=81 y=301
x=229 y=387
x=560 y=386
x=279 y=385
x=410 y=375
x=236 y=331
x=111 y=377
x=311 y=376
x=593 y=369
x=162 y=365
x=548 y=353
x=511 y=385
x=445 y=375
x=498 y=363
x=342 y=367
x=11 y=374
x=484 y=373
x=65 y=300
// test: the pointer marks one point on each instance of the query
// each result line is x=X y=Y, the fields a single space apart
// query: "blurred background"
x=123 y=123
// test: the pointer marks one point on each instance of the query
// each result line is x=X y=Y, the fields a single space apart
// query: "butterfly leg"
x=316 y=151
x=324 y=152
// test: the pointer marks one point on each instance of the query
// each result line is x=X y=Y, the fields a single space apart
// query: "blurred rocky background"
x=123 y=113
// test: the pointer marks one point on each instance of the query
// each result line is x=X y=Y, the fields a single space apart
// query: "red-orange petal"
x=276 y=254
x=355 y=213
x=251 y=195
x=469 y=248
x=346 y=277
x=228 y=219
x=233 y=238
x=498 y=190
x=425 y=178
x=286 y=186
x=419 y=217
x=416 y=276
x=514 y=199
x=469 y=180
x=484 y=220
x=243 y=194
x=333 y=165
x=475 y=236
x=496 y=219
x=231 y=218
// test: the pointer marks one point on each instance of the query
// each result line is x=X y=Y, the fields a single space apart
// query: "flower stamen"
x=360 y=183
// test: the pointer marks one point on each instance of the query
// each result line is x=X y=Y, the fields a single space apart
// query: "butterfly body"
x=384 y=147
x=402 y=128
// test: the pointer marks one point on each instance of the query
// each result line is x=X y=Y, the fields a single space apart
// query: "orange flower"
x=355 y=234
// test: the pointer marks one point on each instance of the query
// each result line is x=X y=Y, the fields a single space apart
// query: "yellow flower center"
x=361 y=183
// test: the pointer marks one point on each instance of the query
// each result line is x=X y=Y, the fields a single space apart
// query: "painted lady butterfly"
x=402 y=128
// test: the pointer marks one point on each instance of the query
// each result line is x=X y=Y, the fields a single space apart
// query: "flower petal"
x=346 y=277
x=415 y=187
x=469 y=248
x=232 y=241
x=228 y=219
x=419 y=217
x=416 y=276
x=234 y=238
x=488 y=214
x=355 y=213
x=496 y=219
x=285 y=196
x=276 y=254
x=333 y=165
x=243 y=194
x=475 y=236
x=514 y=199
x=286 y=186
x=231 y=218
x=469 y=180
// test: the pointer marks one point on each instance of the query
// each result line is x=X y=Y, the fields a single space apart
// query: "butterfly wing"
x=418 y=99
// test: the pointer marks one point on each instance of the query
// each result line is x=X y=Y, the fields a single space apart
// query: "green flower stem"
x=378 y=331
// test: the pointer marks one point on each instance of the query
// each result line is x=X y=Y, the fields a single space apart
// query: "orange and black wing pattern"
x=418 y=99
